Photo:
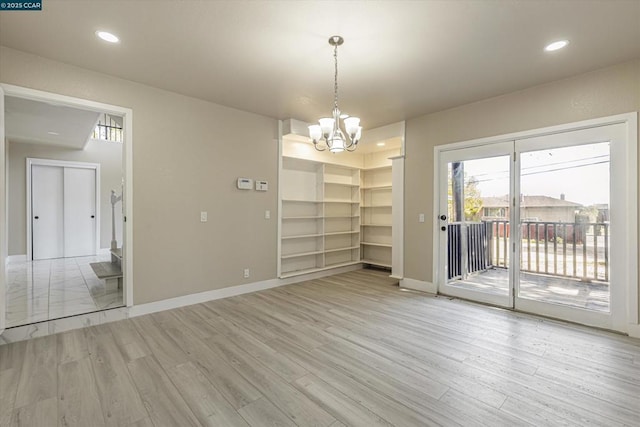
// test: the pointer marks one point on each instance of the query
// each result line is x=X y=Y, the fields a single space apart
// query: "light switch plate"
x=267 y=214
x=421 y=217
x=203 y=216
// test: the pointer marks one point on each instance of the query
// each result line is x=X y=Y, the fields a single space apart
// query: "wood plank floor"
x=350 y=349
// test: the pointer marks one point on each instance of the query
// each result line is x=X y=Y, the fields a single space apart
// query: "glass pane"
x=478 y=225
x=564 y=222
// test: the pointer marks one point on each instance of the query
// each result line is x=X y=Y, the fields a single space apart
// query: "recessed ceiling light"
x=556 y=45
x=108 y=37
x=380 y=144
x=53 y=133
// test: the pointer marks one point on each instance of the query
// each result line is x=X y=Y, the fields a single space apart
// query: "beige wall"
x=604 y=92
x=108 y=155
x=187 y=155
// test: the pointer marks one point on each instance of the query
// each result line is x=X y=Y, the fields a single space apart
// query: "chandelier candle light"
x=328 y=135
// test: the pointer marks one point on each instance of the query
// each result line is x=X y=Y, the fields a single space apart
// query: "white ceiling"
x=42 y=123
x=400 y=59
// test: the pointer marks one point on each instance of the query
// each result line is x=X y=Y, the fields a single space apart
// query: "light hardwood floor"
x=350 y=349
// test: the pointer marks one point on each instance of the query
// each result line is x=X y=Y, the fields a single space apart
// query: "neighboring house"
x=539 y=208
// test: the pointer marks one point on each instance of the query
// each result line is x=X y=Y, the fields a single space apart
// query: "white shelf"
x=326 y=251
x=351 y=202
x=319 y=201
x=338 y=233
x=382 y=245
x=302 y=254
x=378 y=187
x=342 y=264
x=344 y=184
x=316 y=269
x=376 y=208
x=301 y=236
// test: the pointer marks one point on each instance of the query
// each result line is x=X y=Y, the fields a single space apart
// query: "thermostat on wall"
x=245 y=183
x=262 y=185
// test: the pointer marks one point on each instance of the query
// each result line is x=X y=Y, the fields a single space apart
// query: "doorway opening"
x=66 y=201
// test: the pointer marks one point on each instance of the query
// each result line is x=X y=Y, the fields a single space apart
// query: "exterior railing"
x=577 y=250
x=468 y=246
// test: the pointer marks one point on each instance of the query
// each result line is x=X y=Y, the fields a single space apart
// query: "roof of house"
x=528 y=201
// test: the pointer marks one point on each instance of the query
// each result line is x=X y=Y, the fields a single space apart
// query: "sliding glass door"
x=570 y=220
x=533 y=223
x=474 y=185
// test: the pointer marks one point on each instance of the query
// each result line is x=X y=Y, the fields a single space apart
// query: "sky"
x=580 y=172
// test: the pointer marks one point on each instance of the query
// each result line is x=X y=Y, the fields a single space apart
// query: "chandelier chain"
x=335 y=87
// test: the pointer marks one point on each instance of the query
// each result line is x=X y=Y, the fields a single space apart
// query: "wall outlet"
x=421 y=217
x=203 y=216
x=246 y=273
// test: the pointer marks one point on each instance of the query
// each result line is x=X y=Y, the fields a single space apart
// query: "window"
x=108 y=128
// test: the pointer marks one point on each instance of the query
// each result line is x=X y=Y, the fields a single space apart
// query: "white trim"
x=634 y=331
x=4 y=214
x=534 y=133
x=62 y=164
x=631 y=249
x=127 y=207
x=419 y=285
x=279 y=195
x=397 y=215
x=127 y=114
x=16 y=259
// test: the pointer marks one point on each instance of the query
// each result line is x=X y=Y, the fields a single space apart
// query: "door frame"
x=63 y=164
x=630 y=192
x=127 y=154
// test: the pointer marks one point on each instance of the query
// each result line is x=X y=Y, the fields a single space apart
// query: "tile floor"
x=51 y=289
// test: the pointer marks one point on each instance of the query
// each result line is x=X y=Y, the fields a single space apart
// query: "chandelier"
x=328 y=135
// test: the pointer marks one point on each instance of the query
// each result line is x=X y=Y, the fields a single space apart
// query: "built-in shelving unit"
x=340 y=209
x=376 y=213
x=320 y=226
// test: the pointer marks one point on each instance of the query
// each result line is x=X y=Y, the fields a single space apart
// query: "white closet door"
x=47 y=184
x=79 y=212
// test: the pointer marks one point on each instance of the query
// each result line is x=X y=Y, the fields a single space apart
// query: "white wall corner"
x=419 y=285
